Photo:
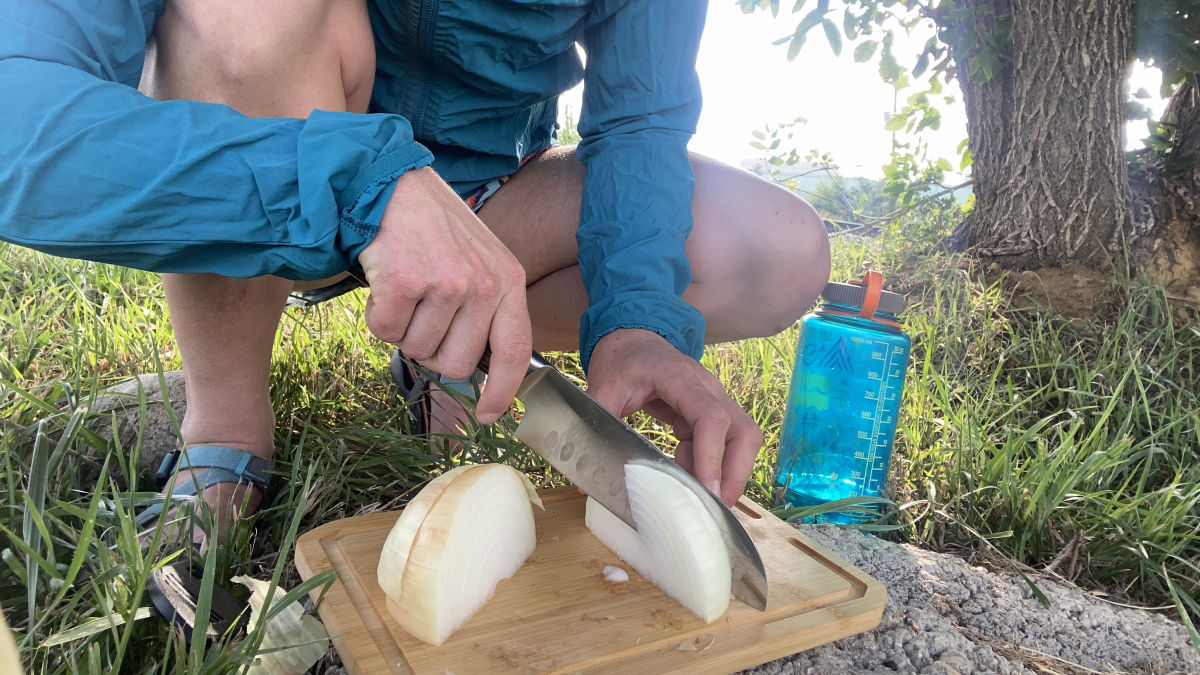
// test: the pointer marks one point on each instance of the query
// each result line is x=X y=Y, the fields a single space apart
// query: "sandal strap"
x=220 y=464
x=466 y=387
x=224 y=465
x=413 y=386
x=184 y=488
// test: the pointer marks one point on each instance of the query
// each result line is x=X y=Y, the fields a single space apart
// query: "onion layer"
x=677 y=546
x=461 y=535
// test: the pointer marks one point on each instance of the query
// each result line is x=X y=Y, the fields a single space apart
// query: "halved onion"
x=461 y=535
x=677 y=546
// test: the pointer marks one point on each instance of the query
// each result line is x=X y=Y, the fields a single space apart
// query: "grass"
x=1060 y=448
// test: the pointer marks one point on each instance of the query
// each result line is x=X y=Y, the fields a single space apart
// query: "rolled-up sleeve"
x=640 y=108
x=92 y=169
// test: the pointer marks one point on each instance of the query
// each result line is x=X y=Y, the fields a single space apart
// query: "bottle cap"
x=854 y=294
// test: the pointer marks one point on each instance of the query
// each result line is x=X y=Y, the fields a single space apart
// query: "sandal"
x=174 y=589
x=415 y=386
x=221 y=464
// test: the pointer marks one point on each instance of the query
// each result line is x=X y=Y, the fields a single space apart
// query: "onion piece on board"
x=400 y=539
x=476 y=529
x=677 y=546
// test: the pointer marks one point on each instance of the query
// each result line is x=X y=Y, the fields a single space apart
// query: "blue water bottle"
x=844 y=400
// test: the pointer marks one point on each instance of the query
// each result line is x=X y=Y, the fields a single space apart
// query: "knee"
x=235 y=46
x=798 y=264
x=762 y=254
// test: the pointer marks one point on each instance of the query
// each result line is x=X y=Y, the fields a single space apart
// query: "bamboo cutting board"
x=558 y=615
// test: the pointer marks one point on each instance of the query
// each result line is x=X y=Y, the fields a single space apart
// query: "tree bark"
x=1046 y=133
x=1164 y=234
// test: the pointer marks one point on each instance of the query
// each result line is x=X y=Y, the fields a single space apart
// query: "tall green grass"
x=1034 y=430
x=1024 y=438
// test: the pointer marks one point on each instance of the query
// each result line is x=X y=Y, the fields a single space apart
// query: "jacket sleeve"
x=92 y=169
x=641 y=102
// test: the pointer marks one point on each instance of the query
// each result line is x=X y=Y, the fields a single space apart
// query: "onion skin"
x=400 y=539
x=677 y=546
x=476 y=530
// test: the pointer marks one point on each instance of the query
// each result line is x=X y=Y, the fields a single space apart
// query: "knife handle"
x=536 y=362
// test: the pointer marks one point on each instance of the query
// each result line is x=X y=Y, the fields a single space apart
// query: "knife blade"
x=591 y=446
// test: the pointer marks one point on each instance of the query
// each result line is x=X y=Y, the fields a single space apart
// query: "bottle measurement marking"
x=868 y=480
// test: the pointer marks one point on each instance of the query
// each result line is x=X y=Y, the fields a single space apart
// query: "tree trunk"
x=1046 y=133
x=1164 y=234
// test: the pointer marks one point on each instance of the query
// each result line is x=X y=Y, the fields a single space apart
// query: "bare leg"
x=264 y=58
x=759 y=254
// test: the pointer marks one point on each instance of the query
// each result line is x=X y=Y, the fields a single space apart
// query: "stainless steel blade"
x=591 y=446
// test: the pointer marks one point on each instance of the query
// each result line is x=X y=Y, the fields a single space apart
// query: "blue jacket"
x=92 y=169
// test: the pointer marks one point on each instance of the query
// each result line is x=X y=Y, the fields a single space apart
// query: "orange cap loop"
x=873 y=280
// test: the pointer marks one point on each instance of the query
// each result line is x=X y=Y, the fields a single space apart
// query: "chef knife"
x=591 y=446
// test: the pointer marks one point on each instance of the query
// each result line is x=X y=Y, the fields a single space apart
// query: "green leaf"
x=950 y=36
x=90 y=628
x=1136 y=111
x=922 y=65
x=1183 y=613
x=32 y=526
x=810 y=21
x=865 y=50
x=1037 y=592
x=833 y=35
x=932 y=119
x=889 y=67
x=325 y=578
x=802 y=512
x=798 y=6
x=794 y=48
x=759 y=135
x=756 y=144
x=774 y=145
x=1141 y=93
x=896 y=122
x=1184 y=52
x=944 y=164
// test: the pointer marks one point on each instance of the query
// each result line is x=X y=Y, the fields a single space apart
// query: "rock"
x=159 y=436
x=956 y=661
x=944 y=617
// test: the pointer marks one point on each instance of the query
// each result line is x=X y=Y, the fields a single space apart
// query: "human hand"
x=443 y=288
x=635 y=369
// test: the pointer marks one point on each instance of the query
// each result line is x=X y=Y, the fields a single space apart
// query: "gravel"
x=945 y=617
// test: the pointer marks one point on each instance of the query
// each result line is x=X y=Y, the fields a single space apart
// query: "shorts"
x=308 y=293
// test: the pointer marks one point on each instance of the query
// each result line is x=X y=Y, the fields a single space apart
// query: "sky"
x=749 y=83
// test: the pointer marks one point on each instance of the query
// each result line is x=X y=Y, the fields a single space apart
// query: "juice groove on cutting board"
x=559 y=616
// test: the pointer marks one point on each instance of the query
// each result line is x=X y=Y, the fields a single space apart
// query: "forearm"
x=93 y=169
x=641 y=104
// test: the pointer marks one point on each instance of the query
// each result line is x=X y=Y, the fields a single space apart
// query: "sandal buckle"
x=166 y=468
